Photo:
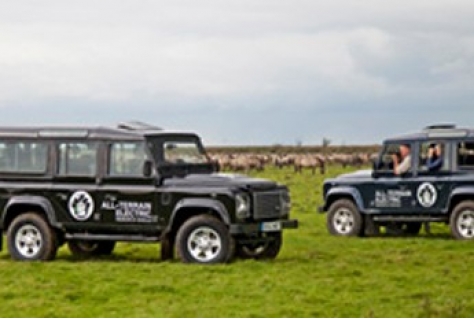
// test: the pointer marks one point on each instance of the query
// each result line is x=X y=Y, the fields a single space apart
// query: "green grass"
x=316 y=275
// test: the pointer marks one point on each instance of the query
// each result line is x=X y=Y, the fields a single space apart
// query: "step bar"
x=113 y=237
x=409 y=218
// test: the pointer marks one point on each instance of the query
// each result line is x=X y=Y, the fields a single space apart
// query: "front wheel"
x=30 y=238
x=462 y=221
x=344 y=219
x=204 y=239
x=268 y=250
x=86 y=248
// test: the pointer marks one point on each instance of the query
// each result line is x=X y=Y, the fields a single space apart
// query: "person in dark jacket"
x=435 y=158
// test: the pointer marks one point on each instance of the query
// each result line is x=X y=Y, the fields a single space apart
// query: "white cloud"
x=115 y=63
x=228 y=55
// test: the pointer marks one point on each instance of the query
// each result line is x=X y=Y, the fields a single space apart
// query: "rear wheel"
x=87 y=248
x=462 y=221
x=344 y=219
x=204 y=239
x=30 y=238
x=268 y=250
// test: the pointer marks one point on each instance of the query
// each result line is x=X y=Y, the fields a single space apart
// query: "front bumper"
x=263 y=227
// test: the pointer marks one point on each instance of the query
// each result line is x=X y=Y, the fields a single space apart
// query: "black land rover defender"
x=437 y=187
x=92 y=187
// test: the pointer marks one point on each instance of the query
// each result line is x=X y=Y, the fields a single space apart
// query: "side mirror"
x=147 y=168
x=375 y=168
x=375 y=165
x=216 y=167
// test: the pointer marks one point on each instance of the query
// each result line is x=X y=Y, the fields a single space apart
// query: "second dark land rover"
x=91 y=187
x=363 y=202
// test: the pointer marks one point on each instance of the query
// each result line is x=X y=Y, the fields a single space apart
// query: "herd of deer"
x=300 y=162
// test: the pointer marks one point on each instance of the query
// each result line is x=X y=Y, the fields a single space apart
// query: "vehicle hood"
x=362 y=174
x=220 y=180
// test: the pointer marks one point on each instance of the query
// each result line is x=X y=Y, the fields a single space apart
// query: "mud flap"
x=370 y=227
x=167 y=247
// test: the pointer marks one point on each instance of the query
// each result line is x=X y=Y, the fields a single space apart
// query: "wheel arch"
x=22 y=204
x=190 y=207
x=349 y=193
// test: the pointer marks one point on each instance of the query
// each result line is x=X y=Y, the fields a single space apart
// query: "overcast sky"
x=240 y=72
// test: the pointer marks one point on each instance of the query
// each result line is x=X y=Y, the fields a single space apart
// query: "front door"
x=419 y=190
x=127 y=198
x=392 y=191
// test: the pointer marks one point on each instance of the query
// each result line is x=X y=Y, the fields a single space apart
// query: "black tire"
x=30 y=238
x=268 y=250
x=86 y=248
x=344 y=219
x=204 y=239
x=462 y=221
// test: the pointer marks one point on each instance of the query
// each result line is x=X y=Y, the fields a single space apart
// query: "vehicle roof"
x=86 y=132
x=434 y=132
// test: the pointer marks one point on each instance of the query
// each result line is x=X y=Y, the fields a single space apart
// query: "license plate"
x=270 y=226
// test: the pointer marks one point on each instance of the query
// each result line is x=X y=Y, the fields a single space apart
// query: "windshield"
x=183 y=153
x=179 y=151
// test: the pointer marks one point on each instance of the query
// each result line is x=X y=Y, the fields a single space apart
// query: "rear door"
x=74 y=191
x=433 y=185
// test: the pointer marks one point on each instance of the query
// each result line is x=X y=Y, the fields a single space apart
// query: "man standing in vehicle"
x=403 y=164
x=435 y=158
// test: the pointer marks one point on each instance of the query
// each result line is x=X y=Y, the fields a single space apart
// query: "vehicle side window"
x=127 y=158
x=77 y=159
x=433 y=157
x=23 y=157
x=465 y=156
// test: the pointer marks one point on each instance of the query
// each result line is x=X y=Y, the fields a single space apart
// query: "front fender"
x=343 y=191
x=464 y=191
x=28 y=200
x=204 y=203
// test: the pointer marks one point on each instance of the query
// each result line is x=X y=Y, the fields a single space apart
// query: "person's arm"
x=434 y=163
x=404 y=166
x=395 y=162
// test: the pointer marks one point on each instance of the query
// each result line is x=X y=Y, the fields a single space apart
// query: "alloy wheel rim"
x=204 y=244
x=343 y=221
x=465 y=224
x=28 y=241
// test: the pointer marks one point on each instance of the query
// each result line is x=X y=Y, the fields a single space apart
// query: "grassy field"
x=315 y=275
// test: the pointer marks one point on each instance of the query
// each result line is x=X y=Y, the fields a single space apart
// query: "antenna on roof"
x=138 y=126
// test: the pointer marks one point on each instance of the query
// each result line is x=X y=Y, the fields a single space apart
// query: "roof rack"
x=138 y=126
x=440 y=127
x=445 y=130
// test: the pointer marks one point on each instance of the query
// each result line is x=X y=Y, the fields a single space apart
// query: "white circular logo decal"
x=427 y=195
x=81 y=206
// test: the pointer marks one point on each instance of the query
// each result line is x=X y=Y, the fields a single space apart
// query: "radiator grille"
x=270 y=204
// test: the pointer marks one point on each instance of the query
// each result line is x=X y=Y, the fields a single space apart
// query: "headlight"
x=242 y=206
x=285 y=201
